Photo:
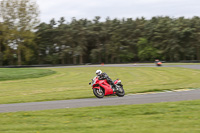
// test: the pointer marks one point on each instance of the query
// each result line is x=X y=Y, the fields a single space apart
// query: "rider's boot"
x=114 y=88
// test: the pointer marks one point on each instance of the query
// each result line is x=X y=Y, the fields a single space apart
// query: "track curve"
x=126 y=100
x=91 y=102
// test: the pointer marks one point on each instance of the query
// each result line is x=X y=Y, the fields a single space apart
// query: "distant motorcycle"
x=101 y=88
x=159 y=63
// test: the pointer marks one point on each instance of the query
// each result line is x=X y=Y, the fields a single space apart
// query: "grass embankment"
x=70 y=83
x=175 y=117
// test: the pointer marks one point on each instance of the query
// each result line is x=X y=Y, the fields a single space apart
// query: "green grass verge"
x=71 y=83
x=181 y=63
x=175 y=117
x=23 y=73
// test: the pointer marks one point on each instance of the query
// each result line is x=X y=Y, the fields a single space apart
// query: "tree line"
x=24 y=40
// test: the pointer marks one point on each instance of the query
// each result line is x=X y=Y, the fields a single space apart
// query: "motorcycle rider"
x=158 y=62
x=103 y=76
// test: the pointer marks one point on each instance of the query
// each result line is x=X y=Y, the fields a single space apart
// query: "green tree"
x=21 y=17
x=3 y=36
x=195 y=39
x=146 y=51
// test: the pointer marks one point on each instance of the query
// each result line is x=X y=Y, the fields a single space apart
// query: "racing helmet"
x=98 y=72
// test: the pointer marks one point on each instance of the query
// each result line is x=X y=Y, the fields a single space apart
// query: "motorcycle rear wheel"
x=120 y=92
x=99 y=93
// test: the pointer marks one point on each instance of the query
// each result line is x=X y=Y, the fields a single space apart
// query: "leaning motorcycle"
x=159 y=63
x=101 y=88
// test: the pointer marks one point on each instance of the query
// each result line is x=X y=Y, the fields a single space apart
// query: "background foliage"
x=24 y=40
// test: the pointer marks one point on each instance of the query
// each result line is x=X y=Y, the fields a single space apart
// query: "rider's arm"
x=103 y=76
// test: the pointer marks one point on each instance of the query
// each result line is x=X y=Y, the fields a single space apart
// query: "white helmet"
x=98 y=72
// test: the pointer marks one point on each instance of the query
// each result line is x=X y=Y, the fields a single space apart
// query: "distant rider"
x=158 y=62
x=103 y=76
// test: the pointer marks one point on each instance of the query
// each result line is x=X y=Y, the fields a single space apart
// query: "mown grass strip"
x=152 y=118
x=71 y=83
x=23 y=73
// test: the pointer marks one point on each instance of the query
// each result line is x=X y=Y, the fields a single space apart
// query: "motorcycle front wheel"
x=120 y=92
x=98 y=93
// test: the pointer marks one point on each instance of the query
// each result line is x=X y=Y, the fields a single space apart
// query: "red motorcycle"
x=101 y=88
x=158 y=63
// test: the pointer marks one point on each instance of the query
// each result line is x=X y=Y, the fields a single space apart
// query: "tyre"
x=99 y=93
x=120 y=92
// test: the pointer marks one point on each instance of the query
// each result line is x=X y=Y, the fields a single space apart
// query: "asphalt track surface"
x=168 y=96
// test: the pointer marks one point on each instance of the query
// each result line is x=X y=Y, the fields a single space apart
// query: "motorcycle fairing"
x=98 y=87
x=107 y=87
x=115 y=82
